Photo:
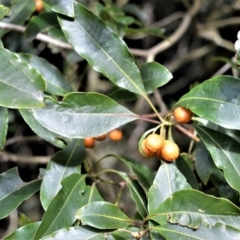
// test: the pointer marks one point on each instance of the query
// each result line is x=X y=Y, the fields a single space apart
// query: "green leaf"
x=41 y=131
x=83 y=115
x=3 y=11
x=78 y=232
x=120 y=94
x=223 y=187
x=225 y=153
x=21 y=86
x=102 y=48
x=191 y=207
x=168 y=180
x=144 y=175
x=41 y=22
x=218 y=231
x=103 y=215
x=154 y=75
x=185 y=169
x=23 y=233
x=3 y=126
x=64 y=7
x=13 y=191
x=91 y=194
x=220 y=98
x=20 y=11
x=57 y=84
x=137 y=193
x=62 y=164
x=204 y=163
x=61 y=211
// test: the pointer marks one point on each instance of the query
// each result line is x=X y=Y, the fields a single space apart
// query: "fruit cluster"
x=156 y=144
x=114 y=135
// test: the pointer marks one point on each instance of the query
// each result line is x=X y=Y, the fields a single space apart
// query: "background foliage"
x=76 y=69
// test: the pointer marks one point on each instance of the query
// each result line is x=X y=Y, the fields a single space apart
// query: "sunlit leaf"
x=13 y=191
x=167 y=181
x=216 y=99
x=77 y=232
x=103 y=215
x=23 y=233
x=102 y=48
x=82 y=115
x=191 y=207
x=218 y=231
x=61 y=165
x=21 y=86
x=61 y=211
x=40 y=130
x=64 y=7
x=57 y=84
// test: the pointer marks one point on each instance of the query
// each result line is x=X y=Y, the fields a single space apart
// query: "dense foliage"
x=118 y=161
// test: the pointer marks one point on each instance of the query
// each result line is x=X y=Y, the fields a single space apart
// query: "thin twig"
x=22 y=139
x=6 y=156
x=187 y=133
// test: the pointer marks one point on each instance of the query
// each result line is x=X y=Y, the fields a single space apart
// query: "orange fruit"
x=89 y=142
x=154 y=142
x=169 y=151
x=144 y=151
x=100 y=138
x=115 y=135
x=38 y=5
x=182 y=115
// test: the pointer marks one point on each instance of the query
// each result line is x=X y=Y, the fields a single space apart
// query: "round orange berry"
x=115 y=135
x=38 y=5
x=154 y=142
x=182 y=115
x=144 y=151
x=89 y=142
x=100 y=138
x=169 y=151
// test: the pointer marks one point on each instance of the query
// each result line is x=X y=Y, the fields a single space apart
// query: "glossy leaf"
x=57 y=84
x=137 y=193
x=220 y=98
x=62 y=164
x=13 y=191
x=144 y=175
x=82 y=115
x=21 y=86
x=3 y=11
x=20 y=11
x=187 y=172
x=154 y=75
x=102 y=48
x=216 y=232
x=3 y=126
x=61 y=211
x=204 y=163
x=191 y=207
x=40 y=130
x=225 y=153
x=41 y=22
x=91 y=194
x=78 y=232
x=23 y=233
x=64 y=7
x=167 y=181
x=102 y=215
x=223 y=187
